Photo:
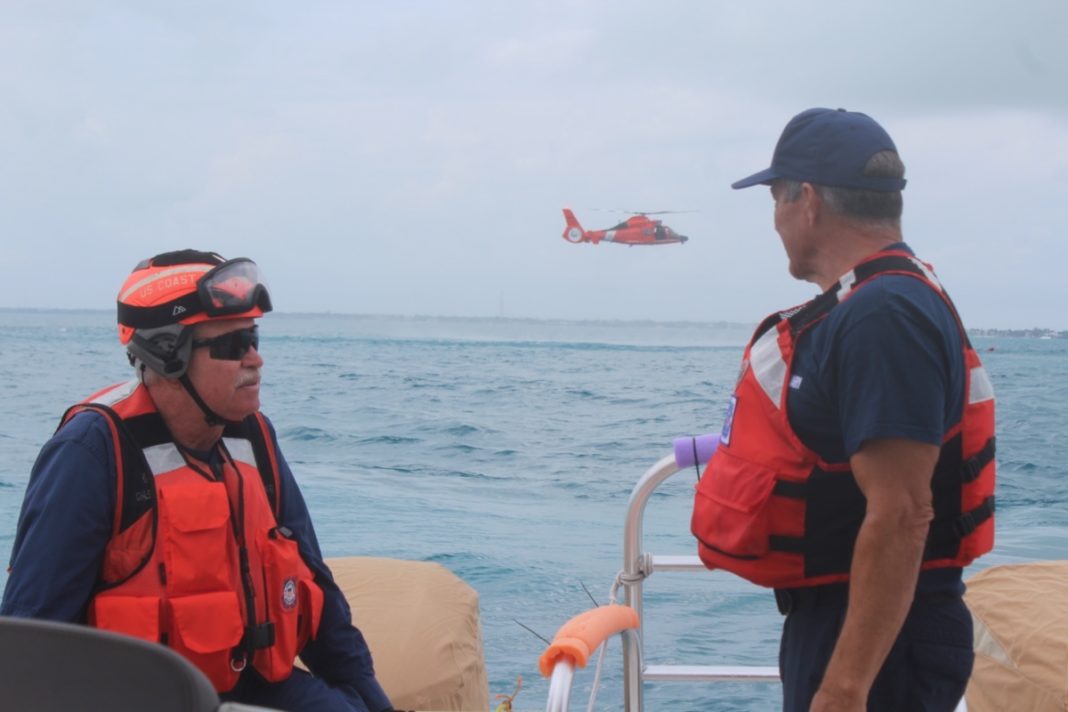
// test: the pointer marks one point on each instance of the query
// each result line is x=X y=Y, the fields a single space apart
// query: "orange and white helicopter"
x=635 y=230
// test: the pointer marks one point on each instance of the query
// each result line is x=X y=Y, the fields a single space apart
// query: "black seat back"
x=46 y=666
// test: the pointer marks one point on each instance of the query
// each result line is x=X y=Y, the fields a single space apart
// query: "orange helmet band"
x=158 y=295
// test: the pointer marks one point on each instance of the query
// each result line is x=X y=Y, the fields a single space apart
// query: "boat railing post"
x=635 y=569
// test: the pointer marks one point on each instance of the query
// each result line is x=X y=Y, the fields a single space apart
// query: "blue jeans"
x=926 y=670
x=297 y=693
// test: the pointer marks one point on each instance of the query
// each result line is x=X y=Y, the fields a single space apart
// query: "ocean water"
x=506 y=450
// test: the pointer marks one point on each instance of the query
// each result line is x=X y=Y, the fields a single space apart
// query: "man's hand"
x=895 y=477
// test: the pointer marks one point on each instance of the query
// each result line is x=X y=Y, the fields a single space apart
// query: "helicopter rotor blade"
x=660 y=212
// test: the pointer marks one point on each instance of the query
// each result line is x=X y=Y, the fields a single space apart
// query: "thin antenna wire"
x=696 y=468
x=531 y=630
x=589 y=594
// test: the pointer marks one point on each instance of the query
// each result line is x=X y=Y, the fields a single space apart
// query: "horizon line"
x=489 y=317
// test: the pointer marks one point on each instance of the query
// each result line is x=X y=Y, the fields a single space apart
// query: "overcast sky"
x=413 y=157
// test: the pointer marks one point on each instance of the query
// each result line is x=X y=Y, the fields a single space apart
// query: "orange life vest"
x=772 y=511
x=196 y=560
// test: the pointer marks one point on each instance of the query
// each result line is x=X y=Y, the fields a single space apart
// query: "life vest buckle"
x=260 y=636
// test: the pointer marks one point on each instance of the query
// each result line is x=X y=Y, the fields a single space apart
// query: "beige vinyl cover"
x=421 y=622
x=1021 y=638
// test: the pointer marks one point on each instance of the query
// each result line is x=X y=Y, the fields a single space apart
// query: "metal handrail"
x=637 y=566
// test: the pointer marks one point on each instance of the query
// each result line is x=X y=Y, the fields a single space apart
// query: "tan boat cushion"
x=421 y=622
x=1020 y=613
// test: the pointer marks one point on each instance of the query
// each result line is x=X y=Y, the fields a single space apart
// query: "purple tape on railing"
x=694 y=450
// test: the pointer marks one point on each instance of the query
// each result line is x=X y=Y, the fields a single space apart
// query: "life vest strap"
x=962 y=526
x=135 y=492
x=259 y=636
x=256 y=429
x=787 y=544
x=813 y=311
x=971 y=467
x=792 y=490
x=968 y=522
x=828 y=300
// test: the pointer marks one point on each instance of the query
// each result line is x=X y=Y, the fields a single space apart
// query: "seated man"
x=163 y=507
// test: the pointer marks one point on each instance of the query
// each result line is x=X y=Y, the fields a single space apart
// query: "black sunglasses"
x=231 y=346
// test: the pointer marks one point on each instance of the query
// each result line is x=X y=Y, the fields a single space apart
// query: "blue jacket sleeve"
x=339 y=653
x=64 y=525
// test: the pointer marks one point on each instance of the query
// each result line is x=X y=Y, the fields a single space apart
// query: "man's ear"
x=811 y=204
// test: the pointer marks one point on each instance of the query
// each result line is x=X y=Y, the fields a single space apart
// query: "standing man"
x=163 y=508
x=855 y=471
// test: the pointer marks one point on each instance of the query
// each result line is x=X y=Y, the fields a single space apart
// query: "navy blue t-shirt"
x=887 y=362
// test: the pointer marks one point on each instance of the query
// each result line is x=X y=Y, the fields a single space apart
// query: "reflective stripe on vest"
x=166 y=457
x=769 y=368
x=980 y=388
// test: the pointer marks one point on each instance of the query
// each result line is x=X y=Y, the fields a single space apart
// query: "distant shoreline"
x=1031 y=333
x=1034 y=333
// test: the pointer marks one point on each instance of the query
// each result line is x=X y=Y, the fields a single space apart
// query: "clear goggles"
x=234 y=287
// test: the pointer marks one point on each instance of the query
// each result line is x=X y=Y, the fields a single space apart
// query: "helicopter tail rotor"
x=573 y=232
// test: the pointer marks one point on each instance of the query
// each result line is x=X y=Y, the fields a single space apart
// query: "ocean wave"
x=305 y=432
x=466 y=475
x=475 y=568
x=389 y=440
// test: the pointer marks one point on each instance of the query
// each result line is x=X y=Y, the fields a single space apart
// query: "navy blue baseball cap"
x=828 y=147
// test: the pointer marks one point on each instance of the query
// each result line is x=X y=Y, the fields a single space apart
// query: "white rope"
x=604 y=646
x=615 y=587
x=597 y=674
